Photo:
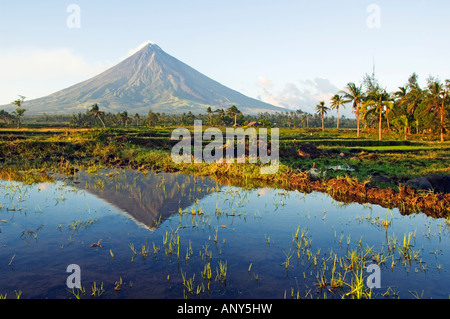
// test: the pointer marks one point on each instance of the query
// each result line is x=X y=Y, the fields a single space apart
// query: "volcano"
x=150 y=79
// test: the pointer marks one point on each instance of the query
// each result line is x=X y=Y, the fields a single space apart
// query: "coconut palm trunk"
x=358 y=119
x=379 y=123
x=337 y=111
x=323 y=128
x=100 y=118
x=442 y=126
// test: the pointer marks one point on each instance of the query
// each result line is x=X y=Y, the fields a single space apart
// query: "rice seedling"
x=405 y=250
x=155 y=249
x=77 y=292
x=206 y=273
x=379 y=258
x=358 y=290
x=386 y=222
x=221 y=272
x=322 y=282
x=132 y=249
x=200 y=289
x=416 y=295
x=18 y=293
x=288 y=256
x=215 y=236
x=267 y=239
x=296 y=233
x=189 y=251
x=188 y=283
x=144 y=251
x=97 y=291
x=118 y=284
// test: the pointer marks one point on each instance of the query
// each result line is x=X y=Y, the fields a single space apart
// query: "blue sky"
x=289 y=53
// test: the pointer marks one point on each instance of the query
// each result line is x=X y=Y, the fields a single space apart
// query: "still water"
x=170 y=235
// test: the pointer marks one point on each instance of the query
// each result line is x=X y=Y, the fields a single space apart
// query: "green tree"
x=321 y=109
x=233 y=112
x=5 y=117
x=152 y=118
x=18 y=113
x=376 y=102
x=209 y=112
x=401 y=116
x=123 y=118
x=221 y=114
x=437 y=101
x=414 y=97
x=137 y=119
x=336 y=102
x=354 y=94
x=95 y=111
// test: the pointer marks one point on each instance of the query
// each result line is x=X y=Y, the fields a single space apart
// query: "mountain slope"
x=149 y=79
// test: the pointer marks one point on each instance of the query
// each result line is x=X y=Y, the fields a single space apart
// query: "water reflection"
x=149 y=198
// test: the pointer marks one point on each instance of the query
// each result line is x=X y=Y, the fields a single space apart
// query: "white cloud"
x=265 y=82
x=138 y=48
x=35 y=73
x=304 y=95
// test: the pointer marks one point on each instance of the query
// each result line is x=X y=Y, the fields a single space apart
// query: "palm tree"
x=355 y=94
x=210 y=112
x=414 y=98
x=221 y=113
x=233 y=111
x=337 y=101
x=321 y=109
x=137 y=118
x=437 y=99
x=123 y=117
x=402 y=116
x=95 y=111
x=153 y=118
x=376 y=102
x=402 y=120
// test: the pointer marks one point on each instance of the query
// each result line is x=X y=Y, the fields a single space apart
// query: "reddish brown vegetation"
x=407 y=200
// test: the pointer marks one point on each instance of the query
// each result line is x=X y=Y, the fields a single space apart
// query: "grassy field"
x=311 y=155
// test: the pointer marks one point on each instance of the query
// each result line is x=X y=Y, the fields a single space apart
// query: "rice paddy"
x=142 y=234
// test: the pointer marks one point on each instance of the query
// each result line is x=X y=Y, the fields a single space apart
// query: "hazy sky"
x=288 y=53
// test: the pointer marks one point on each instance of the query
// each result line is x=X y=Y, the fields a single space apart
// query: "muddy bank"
x=407 y=199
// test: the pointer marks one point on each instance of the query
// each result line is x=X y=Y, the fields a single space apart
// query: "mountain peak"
x=143 y=47
x=148 y=81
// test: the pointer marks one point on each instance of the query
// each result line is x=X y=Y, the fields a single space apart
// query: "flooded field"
x=170 y=235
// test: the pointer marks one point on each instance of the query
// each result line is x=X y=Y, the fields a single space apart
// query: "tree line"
x=410 y=109
x=219 y=117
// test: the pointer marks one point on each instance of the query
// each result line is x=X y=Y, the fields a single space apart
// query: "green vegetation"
x=30 y=155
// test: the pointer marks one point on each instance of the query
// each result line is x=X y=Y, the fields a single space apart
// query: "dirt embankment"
x=407 y=199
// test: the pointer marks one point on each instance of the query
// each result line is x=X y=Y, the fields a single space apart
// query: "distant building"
x=254 y=124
